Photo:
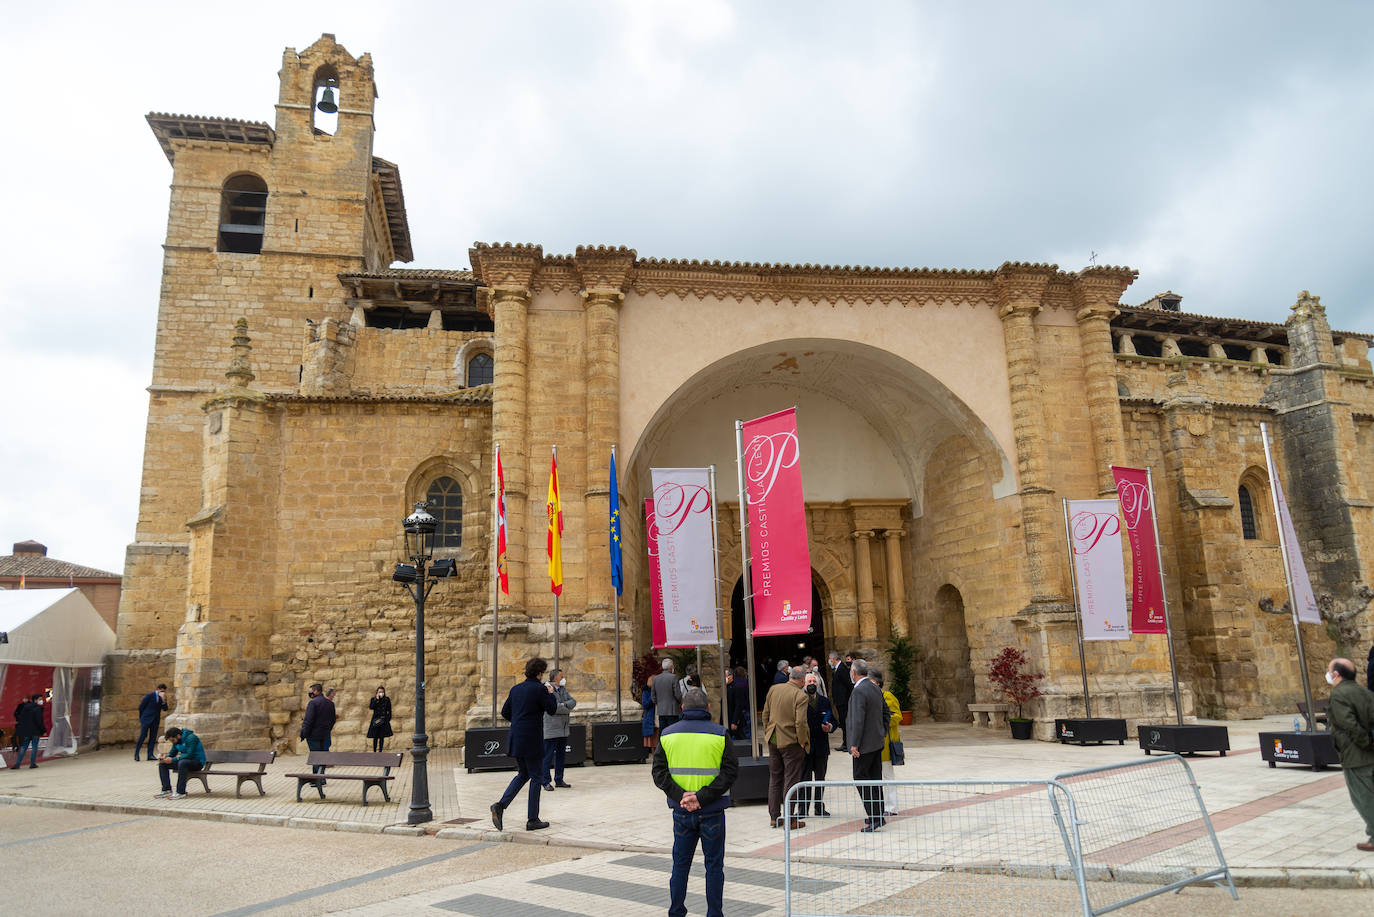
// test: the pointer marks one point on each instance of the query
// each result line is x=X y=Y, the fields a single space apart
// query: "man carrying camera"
x=186 y=756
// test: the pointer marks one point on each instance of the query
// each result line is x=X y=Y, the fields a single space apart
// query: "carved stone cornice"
x=505 y=264
x=605 y=267
x=1020 y=287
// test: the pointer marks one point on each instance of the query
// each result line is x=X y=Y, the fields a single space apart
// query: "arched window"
x=326 y=101
x=1248 y=528
x=242 y=214
x=481 y=369
x=445 y=498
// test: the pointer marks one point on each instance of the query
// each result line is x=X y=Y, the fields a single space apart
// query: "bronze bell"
x=326 y=103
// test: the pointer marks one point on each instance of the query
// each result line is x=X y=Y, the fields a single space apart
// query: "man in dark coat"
x=319 y=723
x=817 y=759
x=667 y=691
x=737 y=699
x=867 y=734
x=29 y=728
x=149 y=713
x=525 y=707
x=840 y=689
x=1352 y=728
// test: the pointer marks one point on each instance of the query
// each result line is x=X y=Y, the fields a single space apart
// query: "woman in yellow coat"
x=892 y=736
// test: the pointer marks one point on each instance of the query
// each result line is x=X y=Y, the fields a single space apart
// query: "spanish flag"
x=555 y=510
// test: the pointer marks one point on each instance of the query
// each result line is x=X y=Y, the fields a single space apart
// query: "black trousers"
x=869 y=766
x=814 y=766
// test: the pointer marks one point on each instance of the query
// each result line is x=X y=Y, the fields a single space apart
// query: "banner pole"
x=1163 y=595
x=496 y=578
x=555 y=595
x=1288 y=578
x=1077 y=615
x=754 y=749
x=720 y=617
x=615 y=604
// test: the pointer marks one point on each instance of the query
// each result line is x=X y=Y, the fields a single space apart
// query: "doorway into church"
x=769 y=650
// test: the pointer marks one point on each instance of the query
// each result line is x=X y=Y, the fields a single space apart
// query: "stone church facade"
x=305 y=393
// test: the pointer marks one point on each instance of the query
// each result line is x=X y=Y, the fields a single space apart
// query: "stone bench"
x=989 y=715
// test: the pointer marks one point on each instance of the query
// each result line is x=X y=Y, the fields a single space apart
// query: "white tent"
x=57 y=629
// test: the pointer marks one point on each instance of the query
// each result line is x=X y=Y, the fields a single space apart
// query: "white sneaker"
x=176 y=795
x=163 y=795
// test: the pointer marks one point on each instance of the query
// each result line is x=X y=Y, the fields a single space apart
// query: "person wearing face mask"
x=817 y=759
x=150 y=710
x=556 y=730
x=29 y=728
x=380 y=727
x=1351 y=716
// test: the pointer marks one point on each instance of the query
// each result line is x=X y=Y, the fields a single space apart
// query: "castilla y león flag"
x=1138 y=512
x=780 y=559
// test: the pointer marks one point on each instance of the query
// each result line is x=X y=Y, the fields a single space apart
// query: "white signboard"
x=1095 y=536
x=686 y=554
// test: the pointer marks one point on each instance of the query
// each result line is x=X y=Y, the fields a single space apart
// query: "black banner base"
x=752 y=783
x=1316 y=750
x=485 y=749
x=1082 y=730
x=1184 y=740
x=617 y=743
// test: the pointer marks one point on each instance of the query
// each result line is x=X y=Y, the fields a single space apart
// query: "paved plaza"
x=1278 y=827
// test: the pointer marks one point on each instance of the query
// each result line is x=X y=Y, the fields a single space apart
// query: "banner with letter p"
x=780 y=558
x=660 y=630
x=1095 y=535
x=686 y=554
x=1138 y=512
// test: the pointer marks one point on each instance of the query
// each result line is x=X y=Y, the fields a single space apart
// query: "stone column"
x=863 y=587
x=1019 y=289
x=1095 y=293
x=896 y=586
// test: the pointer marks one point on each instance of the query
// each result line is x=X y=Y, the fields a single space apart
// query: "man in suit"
x=319 y=723
x=525 y=708
x=867 y=733
x=787 y=731
x=667 y=691
x=820 y=721
x=149 y=713
x=840 y=689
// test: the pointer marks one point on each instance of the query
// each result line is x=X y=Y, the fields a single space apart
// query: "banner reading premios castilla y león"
x=686 y=554
x=1138 y=512
x=780 y=559
x=1095 y=534
x=660 y=629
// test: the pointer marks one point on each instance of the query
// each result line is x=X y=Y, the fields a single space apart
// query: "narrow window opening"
x=481 y=369
x=1147 y=346
x=298 y=226
x=445 y=498
x=1247 y=514
x=242 y=214
x=1237 y=352
x=311 y=294
x=1192 y=348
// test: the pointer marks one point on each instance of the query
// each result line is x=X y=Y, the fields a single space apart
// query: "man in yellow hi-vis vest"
x=695 y=766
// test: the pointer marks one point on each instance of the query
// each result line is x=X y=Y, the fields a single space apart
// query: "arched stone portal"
x=948 y=667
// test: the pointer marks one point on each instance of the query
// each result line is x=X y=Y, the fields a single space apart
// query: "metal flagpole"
x=615 y=602
x=1163 y=595
x=720 y=617
x=496 y=578
x=1077 y=615
x=554 y=522
x=754 y=748
x=1288 y=577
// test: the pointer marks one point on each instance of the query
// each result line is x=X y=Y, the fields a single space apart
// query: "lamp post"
x=419 y=529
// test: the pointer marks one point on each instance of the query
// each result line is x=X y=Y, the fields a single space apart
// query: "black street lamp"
x=419 y=528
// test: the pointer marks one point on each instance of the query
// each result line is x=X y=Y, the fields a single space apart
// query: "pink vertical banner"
x=1138 y=512
x=686 y=553
x=660 y=628
x=780 y=557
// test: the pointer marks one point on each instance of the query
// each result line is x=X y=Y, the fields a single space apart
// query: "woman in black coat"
x=380 y=728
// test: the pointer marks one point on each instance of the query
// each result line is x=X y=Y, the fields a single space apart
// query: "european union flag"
x=617 y=567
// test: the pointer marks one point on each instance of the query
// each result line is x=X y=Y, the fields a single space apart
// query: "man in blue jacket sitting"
x=187 y=755
x=695 y=765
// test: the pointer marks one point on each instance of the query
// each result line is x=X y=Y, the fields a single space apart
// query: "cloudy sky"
x=1223 y=149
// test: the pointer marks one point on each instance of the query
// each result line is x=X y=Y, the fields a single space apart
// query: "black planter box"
x=752 y=783
x=1316 y=750
x=617 y=743
x=485 y=749
x=1184 y=740
x=1082 y=730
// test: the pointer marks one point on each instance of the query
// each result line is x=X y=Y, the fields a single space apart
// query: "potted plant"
x=1016 y=685
x=901 y=657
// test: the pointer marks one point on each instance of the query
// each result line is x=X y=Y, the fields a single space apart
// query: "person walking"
x=667 y=696
x=1351 y=718
x=149 y=713
x=556 y=731
x=867 y=734
x=695 y=767
x=817 y=760
x=28 y=728
x=318 y=725
x=840 y=689
x=788 y=734
x=379 y=729
x=186 y=756
x=524 y=709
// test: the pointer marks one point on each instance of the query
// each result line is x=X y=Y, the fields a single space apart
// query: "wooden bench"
x=386 y=760
x=215 y=758
x=989 y=715
x=1322 y=706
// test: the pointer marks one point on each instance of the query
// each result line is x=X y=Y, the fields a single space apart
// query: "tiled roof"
x=477 y=394
x=37 y=566
x=404 y=274
x=394 y=199
x=168 y=127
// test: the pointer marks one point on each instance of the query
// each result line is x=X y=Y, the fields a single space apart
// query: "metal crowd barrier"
x=1086 y=842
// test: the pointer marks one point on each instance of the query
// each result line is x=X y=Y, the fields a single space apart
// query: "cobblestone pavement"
x=1283 y=826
